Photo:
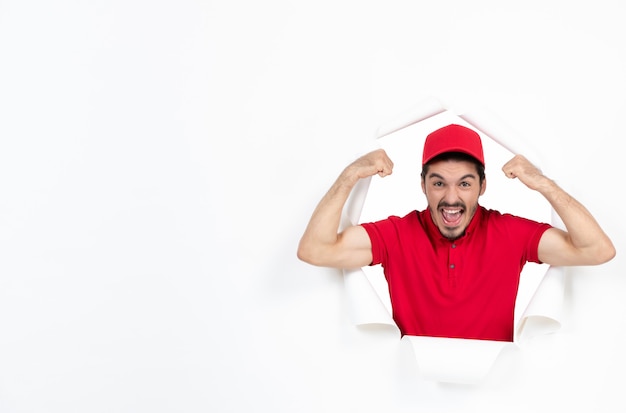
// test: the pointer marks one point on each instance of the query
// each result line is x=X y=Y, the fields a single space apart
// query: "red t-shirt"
x=464 y=288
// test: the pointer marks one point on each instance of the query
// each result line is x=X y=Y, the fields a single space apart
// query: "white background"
x=159 y=161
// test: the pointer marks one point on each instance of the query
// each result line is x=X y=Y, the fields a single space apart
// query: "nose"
x=451 y=195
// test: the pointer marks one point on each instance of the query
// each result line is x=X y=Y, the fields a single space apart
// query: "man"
x=453 y=269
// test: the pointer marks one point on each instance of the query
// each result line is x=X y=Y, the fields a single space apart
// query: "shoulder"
x=512 y=223
x=497 y=216
x=412 y=216
x=395 y=223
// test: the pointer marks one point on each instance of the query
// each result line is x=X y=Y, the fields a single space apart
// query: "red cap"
x=453 y=138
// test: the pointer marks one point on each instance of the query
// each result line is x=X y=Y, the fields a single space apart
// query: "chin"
x=451 y=233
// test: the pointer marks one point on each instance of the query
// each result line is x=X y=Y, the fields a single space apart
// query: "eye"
x=438 y=183
x=465 y=184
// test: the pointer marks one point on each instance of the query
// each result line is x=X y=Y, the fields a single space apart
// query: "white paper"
x=543 y=314
x=426 y=109
x=493 y=127
x=455 y=360
x=365 y=302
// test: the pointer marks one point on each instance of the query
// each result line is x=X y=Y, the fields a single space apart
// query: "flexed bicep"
x=354 y=248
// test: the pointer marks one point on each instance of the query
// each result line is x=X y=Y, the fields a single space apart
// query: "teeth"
x=453 y=211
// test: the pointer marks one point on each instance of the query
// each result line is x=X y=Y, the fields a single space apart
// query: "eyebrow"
x=464 y=177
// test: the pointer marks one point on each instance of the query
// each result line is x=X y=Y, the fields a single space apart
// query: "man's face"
x=452 y=188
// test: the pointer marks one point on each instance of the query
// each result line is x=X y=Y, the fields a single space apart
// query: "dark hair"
x=456 y=156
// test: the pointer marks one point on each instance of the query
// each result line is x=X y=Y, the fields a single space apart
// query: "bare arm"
x=322 y=244
x=584 y=242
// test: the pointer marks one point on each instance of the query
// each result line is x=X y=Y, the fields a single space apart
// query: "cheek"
x=432 y=197
x=472 y=199
x=432 y=200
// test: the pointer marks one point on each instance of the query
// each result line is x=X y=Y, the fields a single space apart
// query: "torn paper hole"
x=540 y=297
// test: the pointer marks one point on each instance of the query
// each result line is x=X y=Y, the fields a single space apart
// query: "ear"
x=483 y=186
x=423 y=186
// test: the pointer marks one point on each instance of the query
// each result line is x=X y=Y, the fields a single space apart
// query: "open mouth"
x=451 y=216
